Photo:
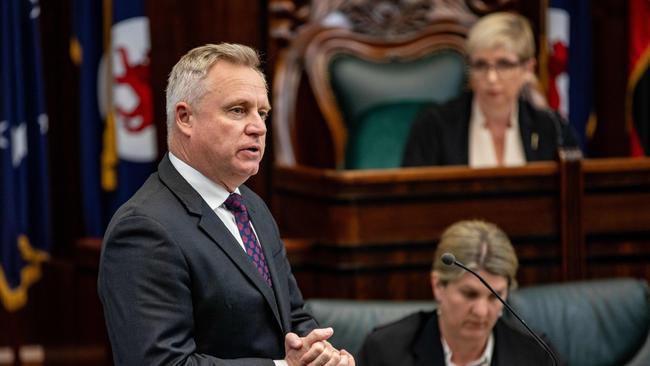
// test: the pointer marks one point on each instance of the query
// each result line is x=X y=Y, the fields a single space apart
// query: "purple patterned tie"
x=236 y=206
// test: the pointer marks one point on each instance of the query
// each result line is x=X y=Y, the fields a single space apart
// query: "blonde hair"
x=479 y=245
x=502 y=30
x=185 y=81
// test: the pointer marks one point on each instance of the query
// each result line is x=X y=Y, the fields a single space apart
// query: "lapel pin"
x=534 y=140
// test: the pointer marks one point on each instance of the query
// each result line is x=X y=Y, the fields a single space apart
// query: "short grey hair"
x=502 y=30
x=185 y=81
x=479 y=245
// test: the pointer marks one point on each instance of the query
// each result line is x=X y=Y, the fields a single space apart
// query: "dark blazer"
x=415 y=341
x=440 y=134
x=178 y=289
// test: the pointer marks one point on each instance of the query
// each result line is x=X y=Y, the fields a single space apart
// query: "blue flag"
x=87 y=49
x=118 y=136
x=569 y=64
x=24 y=181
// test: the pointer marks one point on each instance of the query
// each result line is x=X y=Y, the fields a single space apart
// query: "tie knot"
x=234 y=203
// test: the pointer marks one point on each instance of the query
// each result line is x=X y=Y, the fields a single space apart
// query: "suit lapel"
x=427 y=348
x=530 y=137
x=503 y=349
x=464 y=117
x=210 y=223
x=217 y=231
x=265 y=236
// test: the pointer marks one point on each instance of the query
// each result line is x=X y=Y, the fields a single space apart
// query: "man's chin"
x=249 y=170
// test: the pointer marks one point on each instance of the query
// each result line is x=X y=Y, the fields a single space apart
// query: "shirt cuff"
x=280 y=363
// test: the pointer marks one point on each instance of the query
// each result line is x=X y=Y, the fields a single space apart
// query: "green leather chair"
x=590 y=323
x=369 y=90
x=380 y=100
x=377 y=138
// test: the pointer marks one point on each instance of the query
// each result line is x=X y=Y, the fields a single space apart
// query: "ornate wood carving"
x=387 y=18
x=382 y=18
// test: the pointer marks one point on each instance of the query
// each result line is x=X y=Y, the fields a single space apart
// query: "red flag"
x=638 y=87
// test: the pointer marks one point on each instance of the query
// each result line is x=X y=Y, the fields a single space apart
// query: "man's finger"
x=314 y=351
x=293 y=341
x=316 y=335
x=350 y=359
x=335 y=359
x=343 y=360
x=324 y=358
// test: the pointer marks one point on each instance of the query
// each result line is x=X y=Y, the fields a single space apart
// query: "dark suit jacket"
x=178 y=289
x=415 y=341
x=440 y=134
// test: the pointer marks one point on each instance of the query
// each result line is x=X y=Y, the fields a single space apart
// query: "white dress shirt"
x=212 y=193
x=484 y=360
x=482 y=152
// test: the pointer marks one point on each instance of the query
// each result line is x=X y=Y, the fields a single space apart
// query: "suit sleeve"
x=144 y=285
x=569 y=136
x=301 y=321
x=422 y=147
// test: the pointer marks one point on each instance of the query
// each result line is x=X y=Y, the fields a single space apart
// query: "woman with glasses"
x=494 y=124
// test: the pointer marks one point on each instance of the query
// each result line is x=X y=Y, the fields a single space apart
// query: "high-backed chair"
x=589 y=323
x=369 y=89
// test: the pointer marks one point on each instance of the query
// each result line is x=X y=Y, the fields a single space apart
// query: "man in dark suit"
x=192 y=270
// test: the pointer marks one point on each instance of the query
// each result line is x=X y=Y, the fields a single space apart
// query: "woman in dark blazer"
x=493 y=125
x=467 y=328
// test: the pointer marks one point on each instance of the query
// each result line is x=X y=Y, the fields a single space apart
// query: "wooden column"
x=572 y=234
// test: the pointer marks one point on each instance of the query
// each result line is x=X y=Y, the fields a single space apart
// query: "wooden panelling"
x=368 y=231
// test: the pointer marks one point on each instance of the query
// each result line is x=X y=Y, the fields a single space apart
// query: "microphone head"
x=448 y=259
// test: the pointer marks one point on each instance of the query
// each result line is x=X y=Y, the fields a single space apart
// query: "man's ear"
x=184 y=118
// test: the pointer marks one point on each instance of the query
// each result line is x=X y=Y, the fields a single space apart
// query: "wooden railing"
x=371 y=234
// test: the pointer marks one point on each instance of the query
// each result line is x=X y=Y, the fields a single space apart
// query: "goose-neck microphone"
x=450 y=260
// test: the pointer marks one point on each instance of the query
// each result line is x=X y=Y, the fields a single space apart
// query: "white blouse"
x=482 y=152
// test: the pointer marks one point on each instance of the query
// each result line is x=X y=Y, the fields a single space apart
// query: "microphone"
x=450 y=260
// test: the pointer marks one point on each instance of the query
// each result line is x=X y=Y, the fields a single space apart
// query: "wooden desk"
x=371 y=234
x=616 y=217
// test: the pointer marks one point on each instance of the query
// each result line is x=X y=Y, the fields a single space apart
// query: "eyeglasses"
x=504 y=69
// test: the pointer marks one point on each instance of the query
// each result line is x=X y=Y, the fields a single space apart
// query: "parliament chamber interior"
x=346 y=79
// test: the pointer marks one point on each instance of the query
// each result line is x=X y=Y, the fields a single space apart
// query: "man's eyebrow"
x=238 y=101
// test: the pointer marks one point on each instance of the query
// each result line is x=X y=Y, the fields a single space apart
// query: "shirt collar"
x=484 y=360
x=212 y=193
x=481 y=152
x=478 y=117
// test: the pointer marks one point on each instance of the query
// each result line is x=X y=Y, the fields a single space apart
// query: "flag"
x=24 y=181
x=570 y=82
x=638 y=87
x=118 y=136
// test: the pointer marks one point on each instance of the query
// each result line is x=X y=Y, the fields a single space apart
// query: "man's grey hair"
x=186 y=80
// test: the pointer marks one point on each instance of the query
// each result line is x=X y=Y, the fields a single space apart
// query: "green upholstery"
x=353 y=320
x=591 y=323
x=595 y=323
x=360 y=85
x=377 y=139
